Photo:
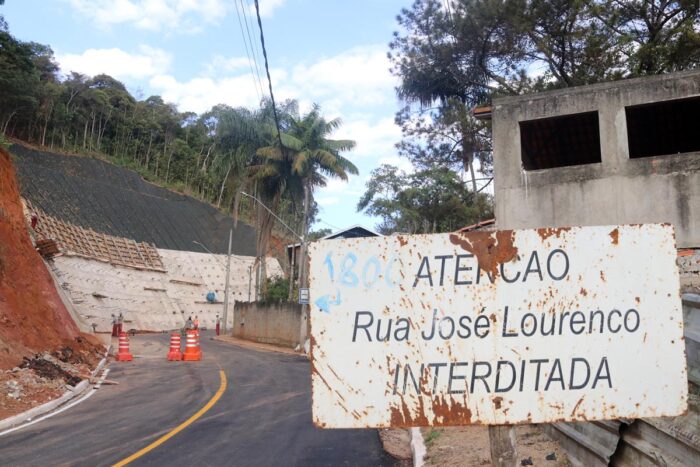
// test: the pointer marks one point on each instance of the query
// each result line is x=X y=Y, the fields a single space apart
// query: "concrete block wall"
x=274 y=323
x=151 y=300
x=619 y=190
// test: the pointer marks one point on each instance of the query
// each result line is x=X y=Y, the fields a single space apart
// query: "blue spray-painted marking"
x=373 y=261
x=329 y=263
x=347 y=277
x=324 y=303
x=387 y=276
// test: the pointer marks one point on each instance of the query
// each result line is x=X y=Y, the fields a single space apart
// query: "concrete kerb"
x=257 y=345
x=42 y=409
x=418 y=448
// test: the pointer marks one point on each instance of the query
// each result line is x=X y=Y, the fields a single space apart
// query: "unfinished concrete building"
x=611 y=153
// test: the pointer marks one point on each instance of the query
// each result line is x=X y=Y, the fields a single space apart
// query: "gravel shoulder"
x=469 y=446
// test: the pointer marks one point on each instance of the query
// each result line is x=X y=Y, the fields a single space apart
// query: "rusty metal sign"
x=522 y=326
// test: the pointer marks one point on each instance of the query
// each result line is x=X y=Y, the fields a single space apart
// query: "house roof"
x=355 y=231
x=488 y=224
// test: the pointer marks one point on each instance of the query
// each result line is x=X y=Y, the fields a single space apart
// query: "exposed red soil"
x=32 y=317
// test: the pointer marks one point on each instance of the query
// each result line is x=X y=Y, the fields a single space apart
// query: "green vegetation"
x=214 y=156
x=277 y=290
x=453 y=55
x=433 y=436
x=426 y=201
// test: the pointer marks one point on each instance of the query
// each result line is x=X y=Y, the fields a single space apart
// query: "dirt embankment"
x=32 y=317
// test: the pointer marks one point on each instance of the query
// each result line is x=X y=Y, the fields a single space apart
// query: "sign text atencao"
x=522 y=326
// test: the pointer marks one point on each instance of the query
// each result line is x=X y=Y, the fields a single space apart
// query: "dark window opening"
x=663 y=128
x=560 y=141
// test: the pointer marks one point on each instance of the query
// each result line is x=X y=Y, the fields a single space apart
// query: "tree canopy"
x=453 y=55
x=213 y=156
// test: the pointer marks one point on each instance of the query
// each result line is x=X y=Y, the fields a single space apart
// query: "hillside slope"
x=95 y=194
x=32 y=315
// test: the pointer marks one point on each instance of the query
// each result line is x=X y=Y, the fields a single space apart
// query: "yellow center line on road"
x=180 y=427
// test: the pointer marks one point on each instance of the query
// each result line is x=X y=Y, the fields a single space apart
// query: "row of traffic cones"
x=193 y=351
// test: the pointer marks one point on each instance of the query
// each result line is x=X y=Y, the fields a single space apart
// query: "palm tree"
x=306 y=158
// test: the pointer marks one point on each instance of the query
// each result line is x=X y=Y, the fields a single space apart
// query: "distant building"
x=487 y=225
x=624 y=152
x=355 y=231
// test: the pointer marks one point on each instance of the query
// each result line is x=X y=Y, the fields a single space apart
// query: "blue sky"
x=191 y=52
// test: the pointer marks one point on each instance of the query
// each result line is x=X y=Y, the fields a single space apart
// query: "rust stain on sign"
x=497 y=402
x=615 y=235
x=547 y=232
x=405 y=417
x=490 y=249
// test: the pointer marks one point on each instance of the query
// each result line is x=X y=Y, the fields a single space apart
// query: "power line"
x=269 y=79
x=253 y=45
x=257 y=84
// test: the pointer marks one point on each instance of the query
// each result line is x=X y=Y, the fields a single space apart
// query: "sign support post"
x=503 y=446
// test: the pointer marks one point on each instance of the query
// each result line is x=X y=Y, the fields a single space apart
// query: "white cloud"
x=327 y=201
x=201 y=94
x=222 y=65
x=184 y=16
x=117 y=63
x=402 y=163
x=373 y=139
x=358 y=77
x=267 y=7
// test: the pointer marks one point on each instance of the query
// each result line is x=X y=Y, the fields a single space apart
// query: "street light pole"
x=303 y=273
x=300 y=237
x=273 y=215
x=228 y=272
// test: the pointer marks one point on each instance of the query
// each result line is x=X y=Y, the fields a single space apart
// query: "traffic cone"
x=124 y=355
x=192 y=350
x=174 y=355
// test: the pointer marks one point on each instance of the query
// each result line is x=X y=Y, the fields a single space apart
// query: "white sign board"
x=303 y=296
x=502 y=327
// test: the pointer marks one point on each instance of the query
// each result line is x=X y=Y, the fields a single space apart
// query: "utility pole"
x=503 y=447
x=304 y=228
x=250 y=279
x=300 y=237
x=228 y=273
x=303 y=280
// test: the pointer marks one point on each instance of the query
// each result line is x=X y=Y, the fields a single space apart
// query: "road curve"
x=262 y=418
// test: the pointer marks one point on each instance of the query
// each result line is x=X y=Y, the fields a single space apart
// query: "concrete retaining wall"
x=151 y=300
x=277 y=323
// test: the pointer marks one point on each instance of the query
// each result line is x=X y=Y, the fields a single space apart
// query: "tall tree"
x=427 y=201
x=653 y=36
x=305 y=160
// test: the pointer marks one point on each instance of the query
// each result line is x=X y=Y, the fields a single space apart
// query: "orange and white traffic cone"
x=192 y=350
x=174 y=355
x=123 y=355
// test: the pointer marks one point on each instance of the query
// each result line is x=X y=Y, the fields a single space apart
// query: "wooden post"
x=503 y=449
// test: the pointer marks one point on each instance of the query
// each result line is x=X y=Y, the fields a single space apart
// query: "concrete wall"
x=619 y=190
x=275 y=323
x=151 y=300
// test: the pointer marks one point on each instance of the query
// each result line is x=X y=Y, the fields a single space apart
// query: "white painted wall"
x=152 y=300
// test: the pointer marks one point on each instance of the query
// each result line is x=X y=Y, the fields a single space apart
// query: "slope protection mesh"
x=94 y=194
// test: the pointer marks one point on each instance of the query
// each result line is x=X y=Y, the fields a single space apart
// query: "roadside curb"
x=257 y=346
x=42 y=409
x=417 y=447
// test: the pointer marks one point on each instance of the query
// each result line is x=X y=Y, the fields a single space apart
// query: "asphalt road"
x=263 y=417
